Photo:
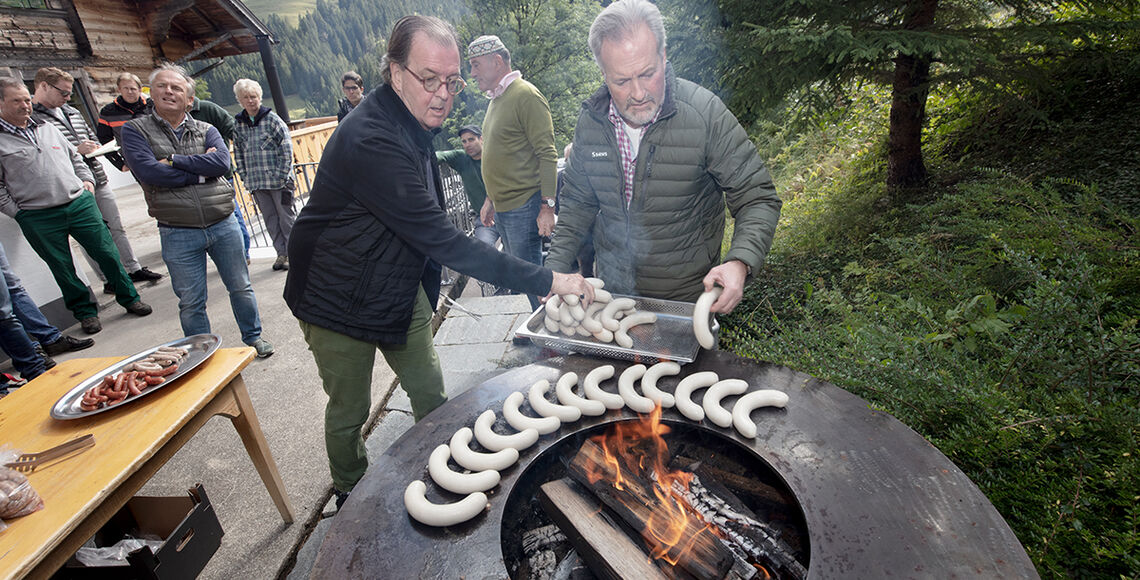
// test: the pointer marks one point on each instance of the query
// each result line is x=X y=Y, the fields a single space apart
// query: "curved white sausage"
x=604 y=336
x=608 y=313
x=596 y=282
x=591 y=322
x=625 y=388
x=683 y=393
x=566 y=317
x=551 y=324
x=577 y=312
x=742 y=410
x=462 y=453
x=437 y=514
x=565 y=391
x=552 y=306
x=538 y=402
x=622 y=335
x=602 y=295
x=593 y=391
x=519 y=421
x=496 y=442
x=701 y=317
x=571 y=299
x=720 y=416
x=649 y=382
x=453 y=480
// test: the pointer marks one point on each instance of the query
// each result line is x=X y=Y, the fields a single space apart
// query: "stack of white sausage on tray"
x=606 y=319
x=483 y=468
x=148 y=372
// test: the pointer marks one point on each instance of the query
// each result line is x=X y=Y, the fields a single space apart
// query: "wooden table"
x=131 y=444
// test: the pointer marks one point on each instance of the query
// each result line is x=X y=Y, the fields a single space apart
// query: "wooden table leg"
x=245 y=421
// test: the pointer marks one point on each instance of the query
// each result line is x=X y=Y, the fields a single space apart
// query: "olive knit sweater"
x=519 y=158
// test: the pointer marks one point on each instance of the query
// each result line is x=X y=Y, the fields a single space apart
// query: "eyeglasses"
x=455 y=84
x=351 y=88
x=62 y=93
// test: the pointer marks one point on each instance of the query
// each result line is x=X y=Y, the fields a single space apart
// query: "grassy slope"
x=289 y=9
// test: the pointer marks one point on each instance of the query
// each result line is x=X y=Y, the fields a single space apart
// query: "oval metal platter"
x=200 y=347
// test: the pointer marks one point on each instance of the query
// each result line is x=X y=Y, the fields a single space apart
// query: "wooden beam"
x=76 y=26
x=205 y=47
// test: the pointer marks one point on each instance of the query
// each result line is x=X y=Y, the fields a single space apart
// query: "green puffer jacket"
x=692 y=161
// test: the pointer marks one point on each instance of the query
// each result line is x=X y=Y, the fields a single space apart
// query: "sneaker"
x=49 y=363
x=109 y=288
x=138 y=308
x=282 y=263
x=91 y=325
x=341 y=497
x=264 y=349
x=68 y=344
x=144 y=275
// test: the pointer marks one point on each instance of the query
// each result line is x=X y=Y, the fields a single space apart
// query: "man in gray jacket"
x=654 y=163
x=46 y=187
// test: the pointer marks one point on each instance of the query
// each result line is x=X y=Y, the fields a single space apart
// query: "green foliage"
x=996 y=313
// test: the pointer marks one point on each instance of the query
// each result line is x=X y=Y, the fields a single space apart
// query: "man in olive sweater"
x=519 y=160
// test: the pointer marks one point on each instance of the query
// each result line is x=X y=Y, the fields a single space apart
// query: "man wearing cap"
x=519 y=161
x=468 y=163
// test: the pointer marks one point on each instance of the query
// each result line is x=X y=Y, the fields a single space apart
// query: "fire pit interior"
x=536 y=545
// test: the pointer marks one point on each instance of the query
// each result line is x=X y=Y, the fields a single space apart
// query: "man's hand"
x=730 y=276
x=89 y=186
x=545 y=220
x=564 y=284
x=487 y=214
x=86 y=147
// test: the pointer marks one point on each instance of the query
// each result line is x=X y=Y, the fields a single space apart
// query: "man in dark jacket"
x=130 y=103
x=366 y=249
x=655 y=159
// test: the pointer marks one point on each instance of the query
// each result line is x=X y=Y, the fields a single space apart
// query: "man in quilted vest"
x=656 y=159
x=180 y=163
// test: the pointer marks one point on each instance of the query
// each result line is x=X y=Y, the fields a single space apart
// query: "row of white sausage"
x=484 y=468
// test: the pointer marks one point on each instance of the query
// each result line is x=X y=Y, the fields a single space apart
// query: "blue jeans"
x=15 y=342
x=519 y=231
x=35 y=324
x=185 y=249
x=244 y=230
x=487 y=235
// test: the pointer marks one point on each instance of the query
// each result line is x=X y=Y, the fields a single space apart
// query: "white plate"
x=200 y=347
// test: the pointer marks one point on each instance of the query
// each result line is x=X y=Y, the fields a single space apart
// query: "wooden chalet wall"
x=119 y=43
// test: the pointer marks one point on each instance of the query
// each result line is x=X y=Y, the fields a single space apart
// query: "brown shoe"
x=138 y=308
x=91 y=325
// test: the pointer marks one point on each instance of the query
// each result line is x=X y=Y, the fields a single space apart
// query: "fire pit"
x=869 y=496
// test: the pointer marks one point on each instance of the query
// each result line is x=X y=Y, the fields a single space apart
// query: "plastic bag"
x=115 y=555
x=17 y=498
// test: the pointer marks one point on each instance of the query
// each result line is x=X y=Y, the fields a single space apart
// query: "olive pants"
x=345 y=366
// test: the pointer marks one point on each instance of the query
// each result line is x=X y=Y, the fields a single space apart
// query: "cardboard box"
x=188 y=526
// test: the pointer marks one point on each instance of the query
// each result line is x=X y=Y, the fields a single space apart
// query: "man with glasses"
x=353 y=87
x=520 y=161
x=53 y=90
x=367 y=248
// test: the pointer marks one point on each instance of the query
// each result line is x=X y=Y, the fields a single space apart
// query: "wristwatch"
x=548 y=201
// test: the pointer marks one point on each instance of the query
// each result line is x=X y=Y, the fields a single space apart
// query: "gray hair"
x=247 y=86
x=9 y=83
x=404 y=33
x=173 y=68
x=620 y=19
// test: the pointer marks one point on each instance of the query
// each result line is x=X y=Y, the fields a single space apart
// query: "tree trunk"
x=905 y=167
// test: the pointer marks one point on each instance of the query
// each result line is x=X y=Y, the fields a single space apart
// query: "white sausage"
x=453 y=480
x=602 y=295
x=604 y=336
x=566 y=317
x=649 y=382
x=629 y=394
x=591 y=321
x=496 y=442
x=538 y=402
x=565 y=391
x=596 y=282
x=571 y=299
x=684 y=393
x=437 y=514
x=593 y=391
x=720 y=416
x=519 y=421
x=552 y=306
x=701 y=317
x=611 y=309
x=577 y=312
x=622 y=335
x=742 y=410
x=463 y=455
x=551 y=324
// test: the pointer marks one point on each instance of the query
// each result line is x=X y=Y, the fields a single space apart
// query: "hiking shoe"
x=91 y=325
x=138 y=308
x=144 y=275
x=282 y=263
x=264 y=349
x=49 y=363
x=341 y=497
x=68 y=344
x=109 y=288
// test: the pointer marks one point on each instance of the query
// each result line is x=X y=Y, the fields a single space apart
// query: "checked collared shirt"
x=28 y=132
x=626 y=148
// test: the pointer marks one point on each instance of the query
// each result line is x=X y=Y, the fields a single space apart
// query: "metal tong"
x=28 y=462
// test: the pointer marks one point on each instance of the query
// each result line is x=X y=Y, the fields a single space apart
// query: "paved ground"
x=289 y=402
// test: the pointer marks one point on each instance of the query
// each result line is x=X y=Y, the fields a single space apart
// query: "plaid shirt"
x=28 y=132
x=625 y=146
x=263 y=152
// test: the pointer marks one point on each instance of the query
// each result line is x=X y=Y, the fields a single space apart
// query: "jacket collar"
x=599 y=103
x=137 y=106
x=392 y=102
x=244 y=115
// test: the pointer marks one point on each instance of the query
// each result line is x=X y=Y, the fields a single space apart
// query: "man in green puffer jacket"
x=655 y=161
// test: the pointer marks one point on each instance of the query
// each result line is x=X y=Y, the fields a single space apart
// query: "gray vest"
x=197 y=205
